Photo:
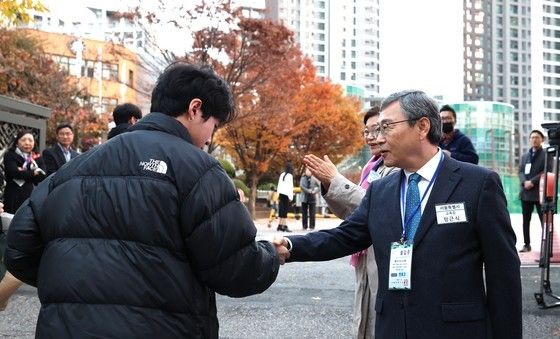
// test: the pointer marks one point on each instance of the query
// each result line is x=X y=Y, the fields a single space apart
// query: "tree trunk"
x=253 y=197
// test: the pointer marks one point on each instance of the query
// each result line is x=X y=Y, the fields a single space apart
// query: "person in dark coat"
x=453 y=142
x=134 y=238
x=531 y=167
x=22 y=171
x=441 y=232
x=124 y=116
x=62 y=152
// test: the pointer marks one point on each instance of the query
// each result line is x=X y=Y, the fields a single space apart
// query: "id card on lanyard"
x=400 y=262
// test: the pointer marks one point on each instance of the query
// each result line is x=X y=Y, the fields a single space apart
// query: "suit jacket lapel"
x=393 y=205
x=60 y=159
x=446 y=182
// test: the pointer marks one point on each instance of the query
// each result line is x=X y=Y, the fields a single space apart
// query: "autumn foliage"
x=27 y=73
x=283 y=109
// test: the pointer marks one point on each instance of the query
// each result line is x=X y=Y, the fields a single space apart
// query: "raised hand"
x=322 y=169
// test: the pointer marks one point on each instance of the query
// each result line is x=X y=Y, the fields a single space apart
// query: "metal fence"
x=17 y=115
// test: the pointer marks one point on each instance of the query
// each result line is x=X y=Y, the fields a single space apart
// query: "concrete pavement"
x=310 y=300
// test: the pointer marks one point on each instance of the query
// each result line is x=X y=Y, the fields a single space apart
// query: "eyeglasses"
x=384 y=127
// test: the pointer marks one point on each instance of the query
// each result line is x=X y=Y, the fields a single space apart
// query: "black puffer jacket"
x=132 y=239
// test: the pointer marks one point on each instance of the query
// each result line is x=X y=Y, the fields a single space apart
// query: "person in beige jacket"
x=342 y=197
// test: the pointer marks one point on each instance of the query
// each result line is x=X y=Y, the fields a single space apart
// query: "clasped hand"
x=281 y=246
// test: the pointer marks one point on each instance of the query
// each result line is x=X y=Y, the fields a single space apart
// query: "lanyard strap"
x=407 y=221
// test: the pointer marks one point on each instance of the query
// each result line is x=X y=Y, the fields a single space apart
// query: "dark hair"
x=538 y=132
x=180 y=83
x=450 y=109
x=122 y=113
x=288 y=169
x=415 y=105
x=18 y=136
x=64 y=125
x=372 y=112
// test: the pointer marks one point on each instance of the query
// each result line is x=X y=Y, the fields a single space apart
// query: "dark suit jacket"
x=537 y=168
x=14 y=194
x=53 y=158
x=448 y=297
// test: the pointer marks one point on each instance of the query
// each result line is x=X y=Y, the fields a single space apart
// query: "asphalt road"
x=308 y=300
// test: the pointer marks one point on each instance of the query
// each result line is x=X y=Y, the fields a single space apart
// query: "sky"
x=421 y=47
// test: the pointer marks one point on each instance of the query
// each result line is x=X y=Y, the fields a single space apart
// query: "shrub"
x=240 y=184
x=228 y=167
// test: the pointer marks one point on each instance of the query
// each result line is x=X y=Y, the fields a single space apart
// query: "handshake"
x=282 y=249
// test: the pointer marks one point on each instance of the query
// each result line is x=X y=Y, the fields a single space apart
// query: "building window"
x=63 y=62
x=130 y=78
x=110 y=71
x=88 y=70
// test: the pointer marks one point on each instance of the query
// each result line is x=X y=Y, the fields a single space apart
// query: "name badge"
x=400 y=266
x=372 y=176
x=528 y=168
x=451 y=213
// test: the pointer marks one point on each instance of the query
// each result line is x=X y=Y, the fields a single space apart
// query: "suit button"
x=402 y=304
x=347 y=186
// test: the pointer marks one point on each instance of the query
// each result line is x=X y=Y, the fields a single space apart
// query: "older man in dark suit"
x=62 y=152
x=442 y=236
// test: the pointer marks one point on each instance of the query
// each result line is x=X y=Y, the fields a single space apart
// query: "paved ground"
x=308 y=300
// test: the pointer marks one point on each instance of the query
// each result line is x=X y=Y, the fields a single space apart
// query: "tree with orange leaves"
x=263 y=67
x=325 y=121
x=26 y=72
x=277 y=95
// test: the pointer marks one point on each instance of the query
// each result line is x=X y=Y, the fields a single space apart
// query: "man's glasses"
x=384 y=127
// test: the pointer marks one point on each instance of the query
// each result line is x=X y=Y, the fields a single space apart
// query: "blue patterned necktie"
x=412 y=203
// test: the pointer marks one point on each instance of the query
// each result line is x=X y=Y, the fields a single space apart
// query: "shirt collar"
x=64 y=149
x=429 y=169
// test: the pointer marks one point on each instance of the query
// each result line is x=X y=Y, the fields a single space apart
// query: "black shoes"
x=526 y=248
x=283 y=228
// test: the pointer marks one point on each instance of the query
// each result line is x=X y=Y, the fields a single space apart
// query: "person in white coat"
x=285 y=195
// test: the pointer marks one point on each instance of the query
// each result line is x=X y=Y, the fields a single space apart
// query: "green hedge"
x=240 y=184
x=228 y=167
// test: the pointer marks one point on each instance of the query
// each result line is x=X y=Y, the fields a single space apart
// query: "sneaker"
x=526 y=248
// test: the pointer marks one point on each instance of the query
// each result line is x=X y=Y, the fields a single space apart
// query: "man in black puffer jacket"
x=133 y=238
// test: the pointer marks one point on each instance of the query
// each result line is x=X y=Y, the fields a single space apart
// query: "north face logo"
x=158 y=166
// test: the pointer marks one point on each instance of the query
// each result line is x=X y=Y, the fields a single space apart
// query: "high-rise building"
x=341 y=37
x=546 y=61
x=477 y=50
x=512 y=55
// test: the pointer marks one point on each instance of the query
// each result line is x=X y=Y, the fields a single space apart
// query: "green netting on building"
x=511 y=189
x=490 y=127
